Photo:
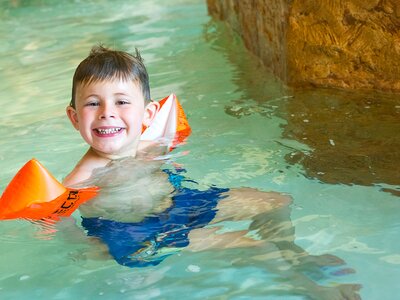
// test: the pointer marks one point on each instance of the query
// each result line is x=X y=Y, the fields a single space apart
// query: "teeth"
x=109 y=130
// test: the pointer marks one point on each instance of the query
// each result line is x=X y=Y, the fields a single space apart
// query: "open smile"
x=108 y=131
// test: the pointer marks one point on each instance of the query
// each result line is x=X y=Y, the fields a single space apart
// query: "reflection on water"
x=340 y=151
x=354 y=136
x=349 y=137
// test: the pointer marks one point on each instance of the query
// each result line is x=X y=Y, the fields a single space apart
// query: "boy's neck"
x=144 y=149
x=107 y=157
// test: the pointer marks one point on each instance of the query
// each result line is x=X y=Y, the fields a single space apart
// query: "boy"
x=110 y=103
x=134 y=215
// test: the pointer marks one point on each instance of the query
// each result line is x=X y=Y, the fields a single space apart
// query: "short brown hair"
x=103 y=63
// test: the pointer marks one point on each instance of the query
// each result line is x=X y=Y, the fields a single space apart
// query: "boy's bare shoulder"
x=151 y=149
x=91 y=160
x=77 y=175
x=84 y=169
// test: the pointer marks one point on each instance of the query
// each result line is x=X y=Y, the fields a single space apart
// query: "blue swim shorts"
x=148 y=242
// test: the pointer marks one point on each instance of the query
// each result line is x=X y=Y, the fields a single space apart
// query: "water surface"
x=335 y=153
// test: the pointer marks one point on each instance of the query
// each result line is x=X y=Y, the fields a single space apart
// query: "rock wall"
x=351 y=44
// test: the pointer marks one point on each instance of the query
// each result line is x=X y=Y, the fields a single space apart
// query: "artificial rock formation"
x=347 y=137
x=328 y=43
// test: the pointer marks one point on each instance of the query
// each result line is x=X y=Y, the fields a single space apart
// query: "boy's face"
x=109 y=115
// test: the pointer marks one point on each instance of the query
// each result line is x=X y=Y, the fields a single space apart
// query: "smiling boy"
x=110 y=104
x=136 y=215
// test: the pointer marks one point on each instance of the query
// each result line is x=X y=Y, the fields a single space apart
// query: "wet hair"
x=106 y=64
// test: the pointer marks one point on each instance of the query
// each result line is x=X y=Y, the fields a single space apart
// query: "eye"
x=122 y=102
x=92 y=103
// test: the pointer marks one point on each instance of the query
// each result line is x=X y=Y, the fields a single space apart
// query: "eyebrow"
x=121 y=94
x=97 y=96
x=91 y=95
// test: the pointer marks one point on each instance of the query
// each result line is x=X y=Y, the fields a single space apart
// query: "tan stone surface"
x=260 y=25
x=329 y=43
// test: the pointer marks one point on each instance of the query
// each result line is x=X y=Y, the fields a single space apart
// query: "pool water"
x=334 y=153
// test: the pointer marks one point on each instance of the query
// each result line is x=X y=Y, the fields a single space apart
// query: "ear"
x=72 y=116
x=150 y=111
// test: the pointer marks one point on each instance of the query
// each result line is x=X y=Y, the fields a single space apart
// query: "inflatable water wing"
x=35 y=194
x=170 y=123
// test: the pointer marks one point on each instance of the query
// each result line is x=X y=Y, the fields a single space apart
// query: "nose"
x=107 y=111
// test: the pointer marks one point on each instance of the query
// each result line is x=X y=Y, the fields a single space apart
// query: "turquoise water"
x=248 y=130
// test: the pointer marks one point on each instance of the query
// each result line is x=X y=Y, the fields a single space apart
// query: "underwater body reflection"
x=144 y=215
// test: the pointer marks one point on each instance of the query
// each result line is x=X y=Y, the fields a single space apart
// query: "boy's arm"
x=77 y=175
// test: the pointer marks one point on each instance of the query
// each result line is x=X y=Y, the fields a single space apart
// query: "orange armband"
x=35 y=194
